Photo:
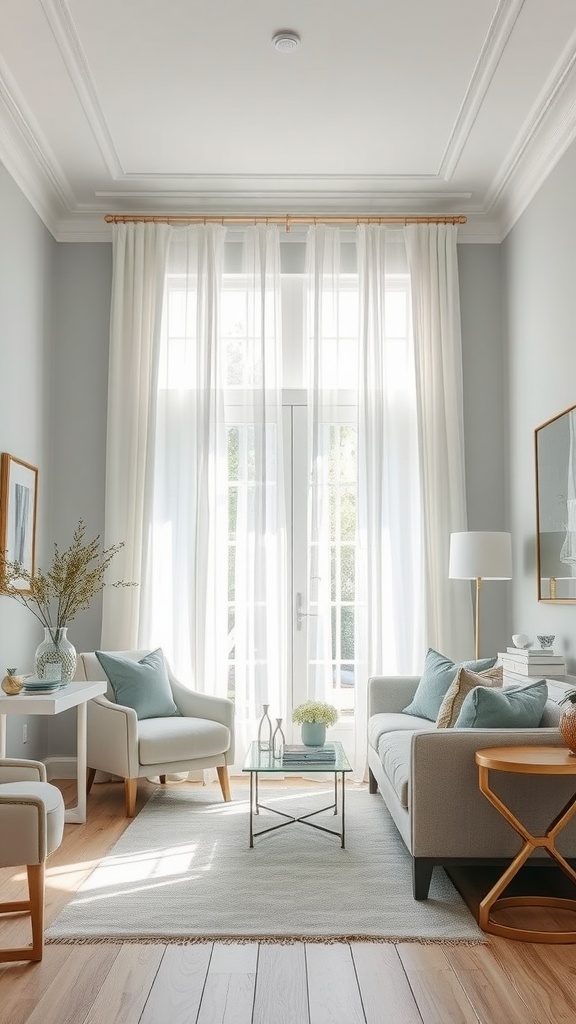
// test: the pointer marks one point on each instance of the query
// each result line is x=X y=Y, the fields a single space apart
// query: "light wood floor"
x=358 y=983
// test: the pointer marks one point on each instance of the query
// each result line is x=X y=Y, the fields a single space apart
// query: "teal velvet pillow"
x=439 y=672
x=142 y=685
x=513 y=708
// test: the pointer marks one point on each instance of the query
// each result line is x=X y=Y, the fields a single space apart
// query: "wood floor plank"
x=386 y=995
x=281 y=987
x=228 y=996
x=23 y=985
x=177 y=989
x=123 y=994
x=333 y=993
x=488 y=986
x=74 y=987
x=437 y=991
x=530 y=967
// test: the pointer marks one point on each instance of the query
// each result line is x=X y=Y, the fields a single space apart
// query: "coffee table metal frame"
x=527 y=760
x=262 y=762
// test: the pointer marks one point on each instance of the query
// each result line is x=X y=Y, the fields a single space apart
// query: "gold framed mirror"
x=555 y=450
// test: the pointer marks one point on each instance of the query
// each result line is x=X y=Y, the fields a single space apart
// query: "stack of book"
x=540 y=662
x=297 y=753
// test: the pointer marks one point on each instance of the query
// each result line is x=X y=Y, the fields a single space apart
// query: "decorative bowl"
x=521 y=640
x=546 y=640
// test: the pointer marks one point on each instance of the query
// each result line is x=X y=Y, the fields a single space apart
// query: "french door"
x=320 y=600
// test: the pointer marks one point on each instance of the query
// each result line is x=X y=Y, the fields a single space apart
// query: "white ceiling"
x=184 y=106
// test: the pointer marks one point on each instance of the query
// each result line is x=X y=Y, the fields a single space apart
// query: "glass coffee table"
x=261 y=761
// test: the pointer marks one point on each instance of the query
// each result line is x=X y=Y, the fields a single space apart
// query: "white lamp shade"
x=480 y=555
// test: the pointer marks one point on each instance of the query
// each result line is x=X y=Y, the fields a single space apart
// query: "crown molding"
x=61 y=23
x=499 y=31
x=543 y=141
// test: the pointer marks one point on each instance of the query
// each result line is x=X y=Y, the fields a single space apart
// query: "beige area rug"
x=183 y=872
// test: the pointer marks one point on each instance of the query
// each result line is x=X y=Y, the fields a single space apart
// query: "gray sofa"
x=429 y=781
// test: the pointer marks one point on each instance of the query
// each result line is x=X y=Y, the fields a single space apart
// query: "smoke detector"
x=286 y=41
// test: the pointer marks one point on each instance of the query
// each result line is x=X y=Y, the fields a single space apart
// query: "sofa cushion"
x=464 y=682
x=512 y=708
x=386 y=722
x=439 y=672
x=142 y=685
x=162 y=740
x=394 y=751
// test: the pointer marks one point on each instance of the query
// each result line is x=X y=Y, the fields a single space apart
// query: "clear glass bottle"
x=265 y=730
x=278 y=741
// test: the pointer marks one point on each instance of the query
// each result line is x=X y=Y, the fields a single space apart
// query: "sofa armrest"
x=390 y=693
x=450 y=816
x=15 y=769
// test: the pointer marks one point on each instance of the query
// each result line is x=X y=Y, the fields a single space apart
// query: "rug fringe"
x=280 y=940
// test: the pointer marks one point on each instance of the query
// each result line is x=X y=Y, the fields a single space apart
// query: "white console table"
x=73 y=695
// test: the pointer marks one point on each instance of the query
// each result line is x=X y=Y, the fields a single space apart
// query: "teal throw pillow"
x=142 y=685
x=439 y=672
x=518 y=707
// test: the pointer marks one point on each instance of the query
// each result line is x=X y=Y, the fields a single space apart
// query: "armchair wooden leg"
x=90 y=776
x=162 y=780
x=36 y=890
x=33 y=906
x=224 y=782
x=130 y=789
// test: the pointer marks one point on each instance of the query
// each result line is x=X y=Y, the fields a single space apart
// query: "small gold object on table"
x=12 y=684
x=527 y=760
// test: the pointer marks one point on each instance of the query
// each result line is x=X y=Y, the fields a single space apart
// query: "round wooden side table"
x=537 y=760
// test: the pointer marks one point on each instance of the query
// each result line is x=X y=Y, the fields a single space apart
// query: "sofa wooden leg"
x=372 y=784
x=162 y=780
x=422 y=868
x=90 y=776
x=224 y=782
x=130 y=789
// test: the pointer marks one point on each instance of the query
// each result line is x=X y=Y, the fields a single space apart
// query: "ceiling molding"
x=62 y=26
x=545 y=137
x=499 y=31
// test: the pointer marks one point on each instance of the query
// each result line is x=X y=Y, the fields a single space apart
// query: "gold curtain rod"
x=287 y=220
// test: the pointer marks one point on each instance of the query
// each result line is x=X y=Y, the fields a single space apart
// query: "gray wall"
x=485 y=425
x=26 y=367
x=539 y=265
x=54 y=325
x=82 y=283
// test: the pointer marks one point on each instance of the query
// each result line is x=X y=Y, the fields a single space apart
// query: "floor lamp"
x=480 y=556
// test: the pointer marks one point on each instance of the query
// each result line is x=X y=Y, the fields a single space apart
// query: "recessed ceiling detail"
x=444 y=108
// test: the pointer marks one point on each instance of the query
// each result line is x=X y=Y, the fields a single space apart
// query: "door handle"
x=300 y=613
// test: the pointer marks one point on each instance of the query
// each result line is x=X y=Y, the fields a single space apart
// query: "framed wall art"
x=18 y=501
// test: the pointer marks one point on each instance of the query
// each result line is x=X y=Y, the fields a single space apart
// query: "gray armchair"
x=202 y=736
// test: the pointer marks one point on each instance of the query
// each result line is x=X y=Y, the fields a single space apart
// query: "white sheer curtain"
x=378 y=377
x=213 y=593
x=258 y=611
x=139 y=253
x=184 y=589
x=433 y=263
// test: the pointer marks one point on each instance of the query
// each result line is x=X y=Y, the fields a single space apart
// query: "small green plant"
x=570 y=696
x=74 y=578
x=315 y=711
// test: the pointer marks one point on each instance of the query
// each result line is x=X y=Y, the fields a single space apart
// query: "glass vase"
x=278 y=741
x=55 y=657
x=265 y=730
